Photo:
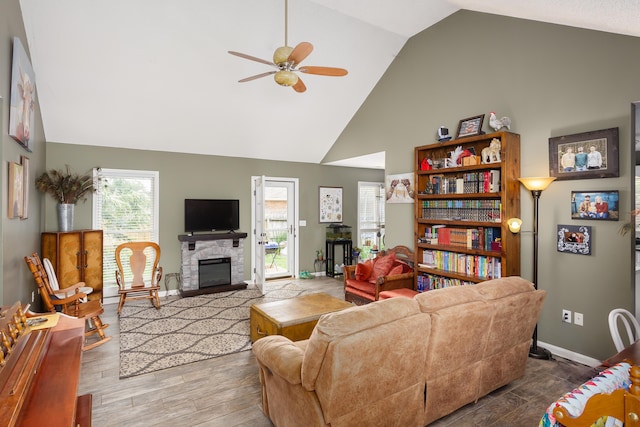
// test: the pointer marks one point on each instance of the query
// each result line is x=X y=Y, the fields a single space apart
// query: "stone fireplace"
x=208 y=250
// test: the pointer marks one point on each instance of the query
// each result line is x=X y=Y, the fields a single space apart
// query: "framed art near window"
x=470 y=127
x=584 y=155
x=598 y=205
x=330 y=204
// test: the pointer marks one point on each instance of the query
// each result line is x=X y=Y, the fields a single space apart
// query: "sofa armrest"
x=387 y=283
x=348 y=272
x=281 y=356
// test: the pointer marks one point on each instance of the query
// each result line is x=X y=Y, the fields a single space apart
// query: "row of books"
x=429 y=282
x=470 y=238
x=466 y=183
x=486 y=267
x=470 y=210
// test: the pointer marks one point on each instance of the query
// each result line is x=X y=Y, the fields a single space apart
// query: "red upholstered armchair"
x=391 y=269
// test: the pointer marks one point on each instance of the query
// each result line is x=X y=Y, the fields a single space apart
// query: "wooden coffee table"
x=293 y=318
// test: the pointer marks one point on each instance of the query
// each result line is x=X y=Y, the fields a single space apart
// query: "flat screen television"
x=211 y=215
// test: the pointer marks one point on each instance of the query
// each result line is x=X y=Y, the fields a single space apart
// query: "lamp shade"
x=537 y=183
x=514 y=224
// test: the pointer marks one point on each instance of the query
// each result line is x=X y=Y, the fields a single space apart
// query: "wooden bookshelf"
x=461 y=212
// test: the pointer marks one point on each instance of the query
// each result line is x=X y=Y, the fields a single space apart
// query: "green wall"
x=551 y=80
x=196 y=176
x=20 y=237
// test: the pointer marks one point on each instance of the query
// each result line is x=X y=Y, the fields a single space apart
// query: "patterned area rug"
x=190 y=329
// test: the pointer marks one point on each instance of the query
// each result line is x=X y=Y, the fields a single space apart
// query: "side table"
x=332 y=258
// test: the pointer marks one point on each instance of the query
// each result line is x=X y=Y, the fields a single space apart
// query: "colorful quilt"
x=607 y=381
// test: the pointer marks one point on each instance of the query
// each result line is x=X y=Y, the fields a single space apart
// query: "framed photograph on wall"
x=470 y=127
x=597 y=205
x=584 y=155
x=399 y=188
x=574 y=239
x=330 y=204
x=16 y=182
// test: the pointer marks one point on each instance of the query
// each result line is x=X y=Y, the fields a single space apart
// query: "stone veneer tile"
x=211 y=249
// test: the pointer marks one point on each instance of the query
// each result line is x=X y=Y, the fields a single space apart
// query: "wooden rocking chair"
x=138 y=258
x=70 y=305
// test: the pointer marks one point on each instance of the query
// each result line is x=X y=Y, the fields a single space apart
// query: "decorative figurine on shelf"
x=456 y=157
x=426 y=164
x=491 y=154
x=497 y=123
x=443 y=134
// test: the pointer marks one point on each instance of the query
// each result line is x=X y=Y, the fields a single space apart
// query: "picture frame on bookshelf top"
x=470 y=126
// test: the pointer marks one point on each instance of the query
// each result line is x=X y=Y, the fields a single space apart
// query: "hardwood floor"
x=225 y=391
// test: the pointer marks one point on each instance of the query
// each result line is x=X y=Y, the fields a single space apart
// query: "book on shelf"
x=481 y=266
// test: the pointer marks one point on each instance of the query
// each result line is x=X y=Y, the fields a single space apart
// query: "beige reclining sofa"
x=400 y=361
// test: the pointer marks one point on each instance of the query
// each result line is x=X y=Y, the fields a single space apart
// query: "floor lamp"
x=536 y=186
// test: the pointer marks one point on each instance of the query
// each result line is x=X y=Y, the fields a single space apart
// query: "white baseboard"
x=570 y=355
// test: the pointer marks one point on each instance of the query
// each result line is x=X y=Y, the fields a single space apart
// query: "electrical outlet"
x=578 y=319
x=566 y=316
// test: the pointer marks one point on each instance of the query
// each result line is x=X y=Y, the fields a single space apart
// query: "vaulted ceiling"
x=156 y=75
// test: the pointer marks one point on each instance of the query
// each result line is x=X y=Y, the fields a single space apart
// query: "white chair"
x=630 y=323
x=55 y=287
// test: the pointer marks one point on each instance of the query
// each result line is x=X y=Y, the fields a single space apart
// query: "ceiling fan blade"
x=251 y=58
x=257 y=76
x=323 y=71
x=299 y=87
x=301 y=51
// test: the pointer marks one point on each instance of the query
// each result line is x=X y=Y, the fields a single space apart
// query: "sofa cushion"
x=397 y=269
x=333 y=326
x=360 y=285
x=364 y=269
x=382 y=266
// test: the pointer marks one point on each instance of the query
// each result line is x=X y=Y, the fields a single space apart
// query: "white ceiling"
x=156 y=75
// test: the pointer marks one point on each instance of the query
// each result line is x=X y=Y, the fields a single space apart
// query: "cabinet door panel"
x=92 y=258
x=69 y=269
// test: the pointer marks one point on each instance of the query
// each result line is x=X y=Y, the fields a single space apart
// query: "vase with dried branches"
x=67 y=189
x=631 y=225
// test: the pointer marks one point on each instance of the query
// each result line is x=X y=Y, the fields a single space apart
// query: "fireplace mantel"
x=195 y=247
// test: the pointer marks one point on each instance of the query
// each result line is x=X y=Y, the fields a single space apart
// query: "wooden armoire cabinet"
x=77 y=257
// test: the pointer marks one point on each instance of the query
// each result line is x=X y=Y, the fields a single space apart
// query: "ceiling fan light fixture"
x=282 y=54
x=286 y=78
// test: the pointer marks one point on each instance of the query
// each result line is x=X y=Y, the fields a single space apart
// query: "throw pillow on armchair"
x=363 y=270
x=382 y=266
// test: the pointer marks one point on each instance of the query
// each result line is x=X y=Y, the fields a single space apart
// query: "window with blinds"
x=370 y=216
x=125 y=208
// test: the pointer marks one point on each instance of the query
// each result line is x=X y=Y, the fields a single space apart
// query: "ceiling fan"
x=287 y=61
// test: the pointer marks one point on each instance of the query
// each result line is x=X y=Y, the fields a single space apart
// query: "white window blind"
x=125 y=208
x=370 y=214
